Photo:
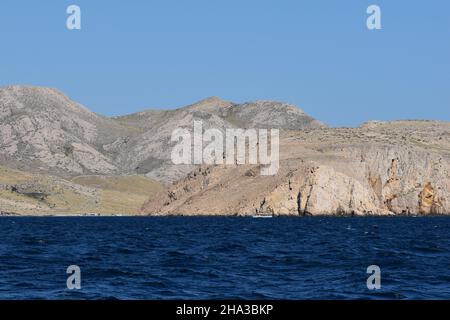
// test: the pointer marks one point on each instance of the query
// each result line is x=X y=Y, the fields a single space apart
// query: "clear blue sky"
x=319 y=55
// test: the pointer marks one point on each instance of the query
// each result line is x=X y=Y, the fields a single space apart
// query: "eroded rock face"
x=328 y=191
x=431 y=201
x=427 y=199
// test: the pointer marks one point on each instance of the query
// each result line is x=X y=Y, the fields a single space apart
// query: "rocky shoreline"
x=324 y=216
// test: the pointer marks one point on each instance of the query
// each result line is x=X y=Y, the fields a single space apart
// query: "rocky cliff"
x=395 y=168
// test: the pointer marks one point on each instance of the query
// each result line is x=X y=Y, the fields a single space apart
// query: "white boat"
x=262 y=216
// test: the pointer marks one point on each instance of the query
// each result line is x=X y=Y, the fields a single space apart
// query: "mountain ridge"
x=56 y=155
x=43 y=130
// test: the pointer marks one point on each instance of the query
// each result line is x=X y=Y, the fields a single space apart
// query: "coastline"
x=81 y=215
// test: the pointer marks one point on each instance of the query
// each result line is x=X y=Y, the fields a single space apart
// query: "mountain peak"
x=210 y=104
x=27 y=97
x=31 y=90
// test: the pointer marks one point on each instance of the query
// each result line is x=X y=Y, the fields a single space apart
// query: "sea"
x=164 y=258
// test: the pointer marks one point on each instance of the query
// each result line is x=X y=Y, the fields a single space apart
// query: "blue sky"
x=133 y=55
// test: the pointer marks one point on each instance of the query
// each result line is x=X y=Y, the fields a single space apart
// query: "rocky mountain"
x=57 y=157
x=149 y=152
x=395 y=168
x=42 y=130
x=43 y=133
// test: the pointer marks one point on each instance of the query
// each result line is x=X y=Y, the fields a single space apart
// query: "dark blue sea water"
x=224 y=258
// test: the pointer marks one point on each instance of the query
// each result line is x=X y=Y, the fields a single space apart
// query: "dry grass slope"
x=121 y=194
x=26 y=193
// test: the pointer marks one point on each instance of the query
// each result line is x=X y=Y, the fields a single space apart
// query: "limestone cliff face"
x=327 y=191
x=399 y=168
